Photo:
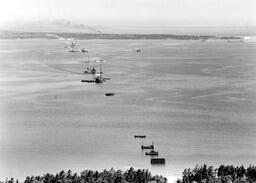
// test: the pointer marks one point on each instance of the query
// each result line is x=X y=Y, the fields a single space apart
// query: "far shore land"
x=65 y=35
x=203 y=174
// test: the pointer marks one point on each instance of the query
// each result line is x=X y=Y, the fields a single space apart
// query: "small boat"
x=152 y=153
x=73 y=46
x=157 y=161
x=140 y=136
x=138 y=50
x=109 y=94
x=147 y=147
x=83 y=50
x=88 y=80
x=72 y=51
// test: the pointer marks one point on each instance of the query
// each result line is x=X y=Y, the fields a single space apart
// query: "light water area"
x=195 y=100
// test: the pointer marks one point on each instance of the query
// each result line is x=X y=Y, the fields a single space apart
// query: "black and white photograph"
x=128 y=91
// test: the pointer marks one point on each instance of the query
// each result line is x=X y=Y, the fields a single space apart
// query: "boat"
x=157 y=161
x=138 y=50
x=109 y=94
x=140 y=136
x=88 y=80
x=147 y=147
x=83 y=50
x=98 y=78
x=152 y=153
x=72 y=45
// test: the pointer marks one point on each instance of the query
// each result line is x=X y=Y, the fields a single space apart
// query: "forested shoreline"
x=89 y=176
x=222 y=174
x=199 y=174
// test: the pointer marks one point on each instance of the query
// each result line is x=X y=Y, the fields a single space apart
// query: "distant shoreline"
x=84 y=36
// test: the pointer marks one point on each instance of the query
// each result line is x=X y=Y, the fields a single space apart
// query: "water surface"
x=195 y=100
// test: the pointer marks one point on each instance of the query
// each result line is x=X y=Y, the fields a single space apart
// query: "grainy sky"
x=134 y=12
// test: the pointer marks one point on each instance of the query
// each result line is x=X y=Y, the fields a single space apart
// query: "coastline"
x=84 y=36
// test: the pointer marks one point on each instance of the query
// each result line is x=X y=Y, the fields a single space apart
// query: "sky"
x=133 y=12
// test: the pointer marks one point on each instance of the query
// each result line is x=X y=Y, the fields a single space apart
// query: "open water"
x=195 y=100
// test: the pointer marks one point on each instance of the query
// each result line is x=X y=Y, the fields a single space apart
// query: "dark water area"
x=195 y=100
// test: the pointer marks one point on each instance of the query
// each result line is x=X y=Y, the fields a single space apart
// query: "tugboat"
x=157 y=161
x=152 y=153
x=138 y=50
x=72 y=46
x=109 y=94
x=83 y=50
x=140 y=136
x=147 y=147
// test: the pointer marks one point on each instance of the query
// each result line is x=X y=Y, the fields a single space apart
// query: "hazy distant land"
x=67 y=29
x=82 y=36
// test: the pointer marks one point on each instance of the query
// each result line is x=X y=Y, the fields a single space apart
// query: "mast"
x=100 y=71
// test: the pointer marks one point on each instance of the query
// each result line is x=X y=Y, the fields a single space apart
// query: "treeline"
x=77 y=35
x=47 y=35
x=133 y=36
x=223 y=174
x=88 y=176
